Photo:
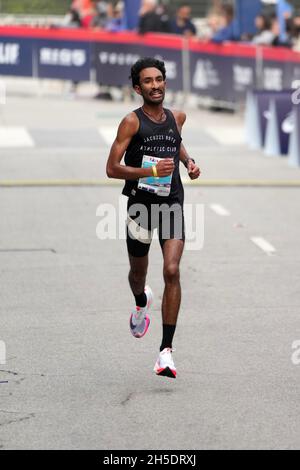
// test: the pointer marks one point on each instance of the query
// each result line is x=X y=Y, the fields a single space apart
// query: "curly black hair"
x=145 y=63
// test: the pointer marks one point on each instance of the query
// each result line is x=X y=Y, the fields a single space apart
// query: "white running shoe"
x=139 y=319
x=164 y=365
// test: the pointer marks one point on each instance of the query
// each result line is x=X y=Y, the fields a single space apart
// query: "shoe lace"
x=166 y=357
x=138 y=313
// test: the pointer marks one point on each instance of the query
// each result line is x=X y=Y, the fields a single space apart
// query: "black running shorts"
x=144 y=217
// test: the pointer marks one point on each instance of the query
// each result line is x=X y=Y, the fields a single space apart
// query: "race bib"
x=160 y=185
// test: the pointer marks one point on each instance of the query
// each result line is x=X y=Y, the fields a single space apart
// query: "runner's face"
x=152 y=86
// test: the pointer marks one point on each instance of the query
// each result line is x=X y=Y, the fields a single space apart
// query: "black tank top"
x=160 y=140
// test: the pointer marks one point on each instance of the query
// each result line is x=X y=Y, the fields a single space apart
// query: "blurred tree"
x=52 y=7
x=59 y=7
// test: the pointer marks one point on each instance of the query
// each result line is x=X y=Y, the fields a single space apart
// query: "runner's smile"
x=156 y=94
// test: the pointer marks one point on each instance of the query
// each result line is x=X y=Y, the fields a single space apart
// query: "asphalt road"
x=74 y=377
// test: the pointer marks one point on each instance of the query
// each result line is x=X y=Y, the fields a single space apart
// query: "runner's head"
x=148 y=77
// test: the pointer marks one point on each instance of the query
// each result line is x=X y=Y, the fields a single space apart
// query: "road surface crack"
x=17 y=420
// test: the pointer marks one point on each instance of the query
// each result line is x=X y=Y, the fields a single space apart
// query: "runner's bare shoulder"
x=129 y=125
x=180 y=118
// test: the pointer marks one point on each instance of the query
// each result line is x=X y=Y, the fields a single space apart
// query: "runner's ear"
x=137 y=89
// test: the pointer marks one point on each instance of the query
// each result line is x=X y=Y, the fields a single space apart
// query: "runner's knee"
x=171 y=272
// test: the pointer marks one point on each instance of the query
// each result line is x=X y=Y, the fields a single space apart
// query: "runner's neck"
x=157 y=114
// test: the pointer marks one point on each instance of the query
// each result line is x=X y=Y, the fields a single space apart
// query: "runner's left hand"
x=193 y=170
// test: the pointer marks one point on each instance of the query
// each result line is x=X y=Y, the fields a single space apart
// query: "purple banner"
x=15 y=56
x=224 y=72
x=173 y=62
x=284 y=106
x=263 y=103
x=294 y=144
x=243 y=76
x=69 y=60
x=211 y=75
x=276 y=75
x=113 y=63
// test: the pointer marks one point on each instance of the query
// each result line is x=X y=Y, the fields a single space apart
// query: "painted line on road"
x=264 y=245
x=114 y=182
x=225 y=136
x=27 y=250
x=11 y=137
x=255 y=183
x=57 y=182
x=108 y=134
x=220 y=210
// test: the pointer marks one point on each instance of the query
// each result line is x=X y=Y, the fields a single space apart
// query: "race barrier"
x=279 y=124
x=223 y=72
x=266 y=114
x=294 y=144
x=272 y=123
x=257 y=107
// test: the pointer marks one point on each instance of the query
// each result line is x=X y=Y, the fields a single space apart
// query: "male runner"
x=151 y=138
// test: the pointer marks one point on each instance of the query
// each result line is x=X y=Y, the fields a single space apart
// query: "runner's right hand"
x=165 y=167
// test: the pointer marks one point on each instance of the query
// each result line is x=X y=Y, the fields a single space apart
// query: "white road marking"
x=227 y=135
x=108 y=134
x=220 y=210
x=15 y=137
x=264 y=245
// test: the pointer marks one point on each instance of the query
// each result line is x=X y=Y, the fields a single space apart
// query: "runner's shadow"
x=166 y=391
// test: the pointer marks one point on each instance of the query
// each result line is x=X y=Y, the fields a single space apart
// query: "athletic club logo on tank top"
x=152 y=144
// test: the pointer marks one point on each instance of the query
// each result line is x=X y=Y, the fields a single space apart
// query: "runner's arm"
x=127 y=129
x=183 y=155
x=189 y=163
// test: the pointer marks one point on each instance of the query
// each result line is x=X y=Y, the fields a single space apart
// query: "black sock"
x=168 y=333
x=141 y=300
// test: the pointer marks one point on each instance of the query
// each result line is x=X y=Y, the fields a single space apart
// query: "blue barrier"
x=224 y=72
x=294 y=145
x=273 y=123
x=279 y=124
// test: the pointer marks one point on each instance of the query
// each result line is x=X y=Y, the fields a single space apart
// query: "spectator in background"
x=296 y=39
x=228 y=26
x=115 y=21
x=102 y=9
x=214 y=19
x=162 y=12
x=88 y=12
x=265 y=36
x=182 y=23
x=82 y=6
x=76 y=5
x=151 y=18
x=277 y=41
x=85 y=9
x=296 y=20
x=288 y=10
x=292 y=31
x=71 y=19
